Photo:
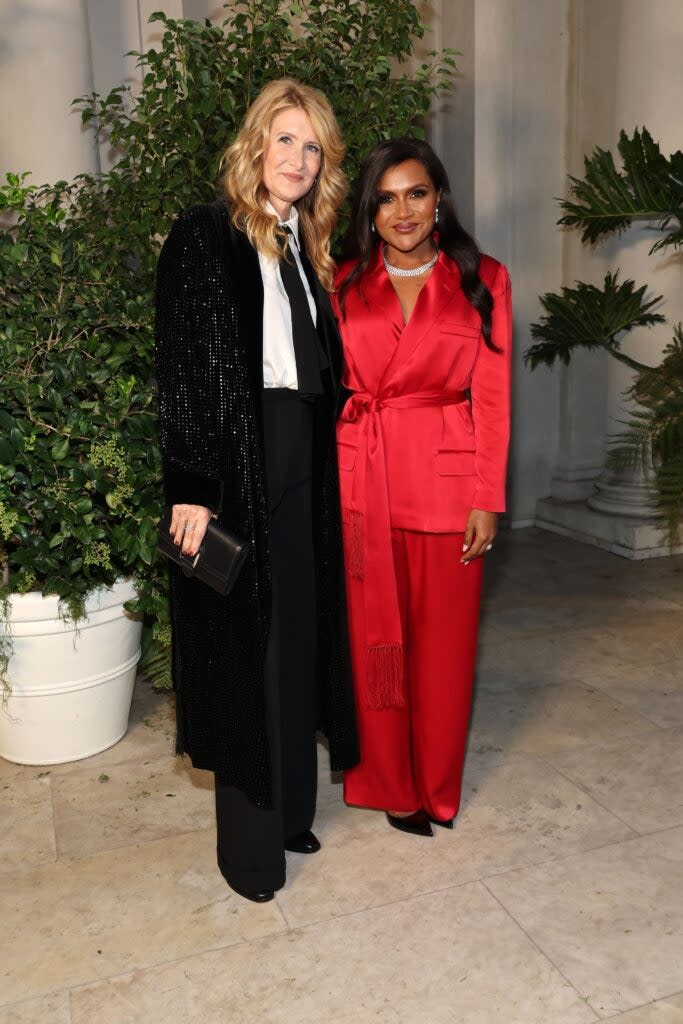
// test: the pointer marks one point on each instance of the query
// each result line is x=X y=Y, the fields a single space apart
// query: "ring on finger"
x=189 y=527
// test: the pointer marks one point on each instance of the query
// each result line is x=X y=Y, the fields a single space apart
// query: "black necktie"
x=307 y=349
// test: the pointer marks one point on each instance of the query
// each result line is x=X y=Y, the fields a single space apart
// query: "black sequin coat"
x=209 y=363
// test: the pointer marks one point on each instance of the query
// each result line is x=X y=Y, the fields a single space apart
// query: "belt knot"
x=358 y=403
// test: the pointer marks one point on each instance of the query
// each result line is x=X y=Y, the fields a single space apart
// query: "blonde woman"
x=248 y=366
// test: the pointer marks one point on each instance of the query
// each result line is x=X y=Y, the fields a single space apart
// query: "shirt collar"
x=292 y=223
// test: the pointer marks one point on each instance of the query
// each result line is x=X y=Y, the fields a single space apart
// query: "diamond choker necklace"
x=415 y=272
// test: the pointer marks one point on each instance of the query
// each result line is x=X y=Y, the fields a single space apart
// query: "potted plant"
x=79 y=474
x=647 y=188
x=80 y=488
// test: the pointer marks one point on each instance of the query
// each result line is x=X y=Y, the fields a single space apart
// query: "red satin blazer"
x=409 y=420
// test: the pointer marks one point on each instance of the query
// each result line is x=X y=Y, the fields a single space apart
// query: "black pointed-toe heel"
x=416 y=824
x=304 y=842
x=447 y=823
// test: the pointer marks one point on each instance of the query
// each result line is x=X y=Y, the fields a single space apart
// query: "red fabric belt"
x=370 y=550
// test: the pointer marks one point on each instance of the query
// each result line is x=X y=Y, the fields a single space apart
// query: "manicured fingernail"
x=465 y=547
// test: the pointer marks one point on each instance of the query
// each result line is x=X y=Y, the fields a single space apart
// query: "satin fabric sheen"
x=413 y=452
x=413 y=756
x=441 y=460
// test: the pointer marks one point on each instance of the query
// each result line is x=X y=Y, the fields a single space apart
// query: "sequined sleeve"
x=187 y=433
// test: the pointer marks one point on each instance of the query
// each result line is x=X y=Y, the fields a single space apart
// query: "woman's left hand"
x=480 y=531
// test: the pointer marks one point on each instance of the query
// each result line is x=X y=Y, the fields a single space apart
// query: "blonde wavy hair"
x=241 y=175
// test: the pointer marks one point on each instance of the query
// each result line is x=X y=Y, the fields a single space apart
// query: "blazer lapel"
x=326 y=321
x=435 y=295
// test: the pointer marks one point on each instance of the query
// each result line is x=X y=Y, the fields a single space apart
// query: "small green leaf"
x=60 y=448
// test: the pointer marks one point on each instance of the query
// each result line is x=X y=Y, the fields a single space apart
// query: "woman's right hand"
x=188 y=526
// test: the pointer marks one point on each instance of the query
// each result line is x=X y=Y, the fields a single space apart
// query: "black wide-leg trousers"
x=251 y=839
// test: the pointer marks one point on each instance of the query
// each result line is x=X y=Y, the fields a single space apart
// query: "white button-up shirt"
x=279 y=361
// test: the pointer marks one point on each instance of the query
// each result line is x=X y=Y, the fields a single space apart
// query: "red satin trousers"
x=413 y=757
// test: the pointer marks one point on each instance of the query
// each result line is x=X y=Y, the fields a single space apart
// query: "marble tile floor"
x=557 y=899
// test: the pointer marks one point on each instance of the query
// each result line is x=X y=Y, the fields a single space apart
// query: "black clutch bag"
x=218 y=561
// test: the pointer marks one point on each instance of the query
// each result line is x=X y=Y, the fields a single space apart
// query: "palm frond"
x=588 y=317
x=654 y=431
x=648 y=187
x=156 y=664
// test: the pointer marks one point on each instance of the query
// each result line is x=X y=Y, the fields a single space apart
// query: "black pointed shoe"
x=416 y=824
x=304 y=842
x=257 y=896
x=447 y=823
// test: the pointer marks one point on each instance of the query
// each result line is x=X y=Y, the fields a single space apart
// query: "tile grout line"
x=582 y=787
x=110 y=849
x=282 y=912
x=579 y=853
x=352 y=913
x=625 y=707
x=70 y=989
x=494 y=874
x=583 y=999
x=241 y=942
x=55 y=850
x=642 y=1006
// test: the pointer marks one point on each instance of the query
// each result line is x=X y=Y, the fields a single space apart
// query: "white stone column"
x=45 y=65
x=624 y=72
x=115 y=30
x=502 y=138
x=648 y=90
x=519 y=146
x=199 y=10
x=152 y=33
x=581 y=412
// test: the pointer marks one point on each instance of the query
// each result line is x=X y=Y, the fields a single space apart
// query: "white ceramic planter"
x=70 y=684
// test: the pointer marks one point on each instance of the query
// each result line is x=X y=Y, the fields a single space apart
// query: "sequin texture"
x=209 y=378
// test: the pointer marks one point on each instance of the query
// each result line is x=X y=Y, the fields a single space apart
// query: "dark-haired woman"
x=422 y=439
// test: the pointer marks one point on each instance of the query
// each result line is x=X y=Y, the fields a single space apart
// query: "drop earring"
x=436 y=216
x=372 y=227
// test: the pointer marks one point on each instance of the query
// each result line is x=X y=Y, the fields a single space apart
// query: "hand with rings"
x=480 y=533
x=188 y=526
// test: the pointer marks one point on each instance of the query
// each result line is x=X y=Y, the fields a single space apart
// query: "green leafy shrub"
x=80 y=472
x=79 y=464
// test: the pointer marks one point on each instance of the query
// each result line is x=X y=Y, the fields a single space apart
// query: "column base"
x=628 y=536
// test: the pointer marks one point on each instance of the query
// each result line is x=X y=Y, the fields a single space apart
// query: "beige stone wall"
x=45 y=62
x=502 y=137
x=539 y=83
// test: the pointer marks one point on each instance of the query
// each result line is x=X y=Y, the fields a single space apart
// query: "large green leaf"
x=588 y=317
x=647 y=187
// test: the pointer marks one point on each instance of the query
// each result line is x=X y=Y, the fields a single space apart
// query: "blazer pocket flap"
x=346 y=455
x=466 y=330
x=455 y=463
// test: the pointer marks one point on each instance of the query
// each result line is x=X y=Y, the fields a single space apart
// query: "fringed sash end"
x=354 y=542
x=385 y=677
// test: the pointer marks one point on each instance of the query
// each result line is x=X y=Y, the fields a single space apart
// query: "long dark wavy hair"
x=360 y=242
